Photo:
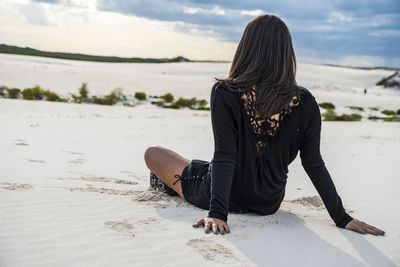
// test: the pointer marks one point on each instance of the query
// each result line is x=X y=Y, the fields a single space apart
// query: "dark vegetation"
x=356 y=108
x=390 y=81
x=165 y=101
x=326 y=105
x=388 y=112
x=392 y=118
x=9 y=49
x=140 y=95
x=330 y=115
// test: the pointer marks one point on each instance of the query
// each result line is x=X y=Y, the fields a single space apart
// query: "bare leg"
x=166 y=163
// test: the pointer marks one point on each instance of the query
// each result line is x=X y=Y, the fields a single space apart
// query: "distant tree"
x=326 y=105
x=140 y=95
x=388 y=112
x=84 y=91
x=14 y=93
x=168 y=97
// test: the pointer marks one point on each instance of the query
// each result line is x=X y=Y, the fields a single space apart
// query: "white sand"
x=73 y=192
x=187 y=79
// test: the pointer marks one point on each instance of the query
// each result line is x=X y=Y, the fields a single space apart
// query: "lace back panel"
x=265 y=132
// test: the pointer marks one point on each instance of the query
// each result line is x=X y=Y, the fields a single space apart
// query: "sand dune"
x=74 y=187
x=56 y=212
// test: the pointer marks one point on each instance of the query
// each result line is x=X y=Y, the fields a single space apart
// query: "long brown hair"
x=265 y=58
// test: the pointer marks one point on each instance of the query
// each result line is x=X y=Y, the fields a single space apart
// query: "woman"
x=249 y=167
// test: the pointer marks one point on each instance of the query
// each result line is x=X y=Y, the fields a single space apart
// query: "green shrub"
x=327 y=105
x=52 y=96
x=76 y=98
x=186 y=102
x=375 y=118
x=128 y=104
x=203 y=108
x=398 y=111
x=173 y=105
x=373 y=108
x=13 y=93
x=37 y=93
x=84 y=91
x=34 y=93
x=392 y=118
x=3 y=91
x=388 y=112
x=168 y=97
x=349 y=117
x=329 y=115
x=83 y=95
x=118 y=93
x=111 y=99
x=355 y=107
x=158 y=103
x=202 y=102
x=140 y=95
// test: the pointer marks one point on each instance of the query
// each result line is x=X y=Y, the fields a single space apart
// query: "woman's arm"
x=315 y=168
x=224 y=159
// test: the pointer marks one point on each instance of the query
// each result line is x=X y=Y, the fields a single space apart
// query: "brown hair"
x=265 y=59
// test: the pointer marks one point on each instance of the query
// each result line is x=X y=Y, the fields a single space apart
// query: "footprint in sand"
x=15 y=186
x=123 y=227
x=21 y=144
x=134 y=175
x=146 y=223
x=128 y=228
x=77 y=161
x=212 y=251
x=72 y=152
x=160 y=199
x=100 y=179
x=154 y=198
x=36 y=160
x=108 y=191
x=258 y=221
x=312 y=202
x=102 y=190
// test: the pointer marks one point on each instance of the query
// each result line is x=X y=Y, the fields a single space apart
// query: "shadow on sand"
x=283 y=239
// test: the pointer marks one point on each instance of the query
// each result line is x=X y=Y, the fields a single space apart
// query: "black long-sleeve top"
x=249 y=170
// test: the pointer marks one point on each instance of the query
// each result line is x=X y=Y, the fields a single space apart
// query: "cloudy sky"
x=349 y=32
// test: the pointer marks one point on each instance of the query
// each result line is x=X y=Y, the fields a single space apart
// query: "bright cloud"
x=331 y=32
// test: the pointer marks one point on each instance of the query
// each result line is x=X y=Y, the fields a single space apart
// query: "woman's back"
x=251 y=156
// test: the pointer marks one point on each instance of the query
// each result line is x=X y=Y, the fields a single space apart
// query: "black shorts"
x=196 y=183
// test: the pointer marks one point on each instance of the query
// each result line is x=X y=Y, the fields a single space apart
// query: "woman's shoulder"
x=307 y=96
x=229 y=95
x=305 y=91
x=221 y=87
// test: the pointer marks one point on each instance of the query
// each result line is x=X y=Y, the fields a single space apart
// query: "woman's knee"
x=150 y=153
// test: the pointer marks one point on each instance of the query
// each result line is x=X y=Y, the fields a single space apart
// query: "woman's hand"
x=363 y=228
x=214 y=224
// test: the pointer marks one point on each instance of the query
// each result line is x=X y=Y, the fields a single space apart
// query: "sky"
x=354 y=33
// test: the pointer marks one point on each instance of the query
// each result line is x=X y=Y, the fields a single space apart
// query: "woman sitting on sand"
x=248 y=171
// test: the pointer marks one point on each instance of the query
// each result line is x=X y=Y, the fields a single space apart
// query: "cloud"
x=331 y=30
x=339 y=28
x=34 y=14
